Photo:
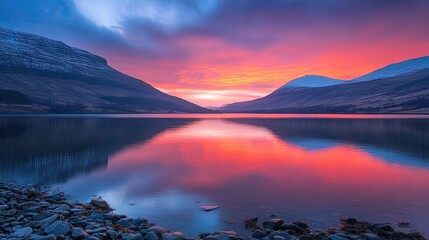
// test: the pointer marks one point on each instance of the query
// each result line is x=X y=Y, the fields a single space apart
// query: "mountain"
x=407 y=92
x=40 y=75
x=402 y=68
x=312 y=81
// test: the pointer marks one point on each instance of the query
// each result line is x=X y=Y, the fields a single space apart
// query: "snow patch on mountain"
x=311 y=81
x=28 y=51
x=396 y=69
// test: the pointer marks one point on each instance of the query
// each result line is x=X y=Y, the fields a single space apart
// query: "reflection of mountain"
x=49 y=150
x=405 y=135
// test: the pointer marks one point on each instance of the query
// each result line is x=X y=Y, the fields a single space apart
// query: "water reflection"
x=51 y=150
x=314 y=170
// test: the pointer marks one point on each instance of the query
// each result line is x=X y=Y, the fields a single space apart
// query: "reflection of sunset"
x=215 y=153
x=313 y=170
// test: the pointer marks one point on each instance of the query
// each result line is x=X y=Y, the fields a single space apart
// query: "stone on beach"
x=22 y=232
x=78 y=233
x=151 y=236
x=100 y=203
x=58 y=228
x=274 y=223
x=259 y=234
x=52 y=216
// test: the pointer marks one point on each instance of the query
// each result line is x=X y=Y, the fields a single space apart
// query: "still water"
x=313 y=168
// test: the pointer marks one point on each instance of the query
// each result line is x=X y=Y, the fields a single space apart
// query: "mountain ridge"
x=407 y=92
x=41 y=75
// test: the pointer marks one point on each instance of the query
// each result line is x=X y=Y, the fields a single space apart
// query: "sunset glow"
x=205 y=50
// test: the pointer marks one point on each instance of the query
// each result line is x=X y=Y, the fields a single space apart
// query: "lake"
x=313 y=168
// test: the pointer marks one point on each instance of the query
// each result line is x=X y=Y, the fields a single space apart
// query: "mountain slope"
x=40 y=75
x=399 y=94
x=402 y=68
x=312 y=81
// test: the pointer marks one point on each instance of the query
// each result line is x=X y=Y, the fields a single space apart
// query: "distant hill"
x=40 y=75
x=398 y=88
x=312 y=81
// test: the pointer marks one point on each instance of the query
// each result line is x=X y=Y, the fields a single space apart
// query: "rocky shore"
x=37 y=212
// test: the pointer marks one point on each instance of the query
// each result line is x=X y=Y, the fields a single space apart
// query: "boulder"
x=274 y=223
x=125 y=222
x=22 y=232
x=58 y=228
x=291 y=226
x=259 y=234
x=111 y=234
x=285 y=235
x=78 y=233
x=151 y=236
x=100 y=203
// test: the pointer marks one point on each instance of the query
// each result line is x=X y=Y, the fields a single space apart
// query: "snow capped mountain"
x=311 y=81
x=400 y=88
x=396 y=69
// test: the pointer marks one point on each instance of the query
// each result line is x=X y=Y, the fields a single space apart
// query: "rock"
x=274 y=223
x=100 y=203
x=78 y=233
x=383 y=227
x=151 y=236
x=58 y=228
x=337 y=236
x=111 y=234
x=306 y=237
x=55 y=197
x=47 y=221
x=351 y=220
x=43 y=215
x=62 y=208
x=370 y=236
x=291 y=226
x=26 y=205
x=281 y=234
x=157 y=230
x=131 y=236
x=78 y=222
x=96 y=230
x=302 y=225
x=35 y=209
x=173 y=236
x=92 y=238
x=22 y=232
x=125 y=222
x=225 y=232
x=278 y=238
x=259 y=234
x=40 y=237
x=209 y=208
x=9 y=213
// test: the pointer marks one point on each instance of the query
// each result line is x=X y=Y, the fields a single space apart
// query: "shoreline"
x=40 y=213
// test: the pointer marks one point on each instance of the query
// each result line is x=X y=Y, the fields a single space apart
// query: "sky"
x=213 y=52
